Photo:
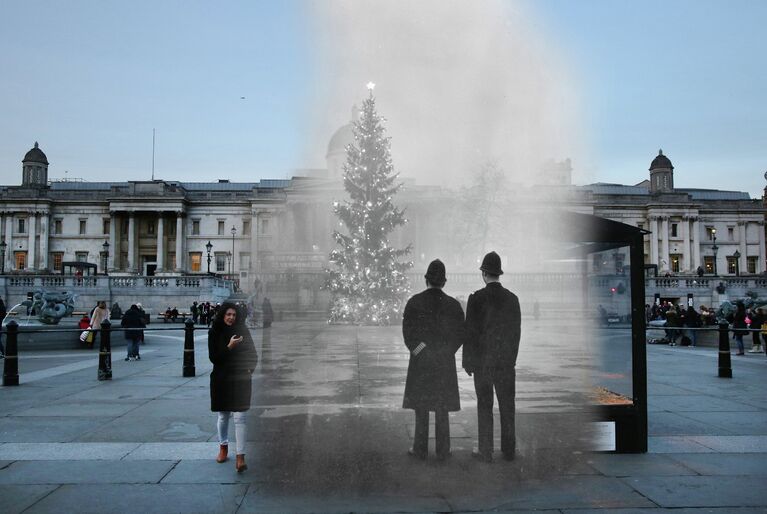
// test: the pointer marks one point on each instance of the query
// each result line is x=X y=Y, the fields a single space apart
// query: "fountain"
x=45 y=321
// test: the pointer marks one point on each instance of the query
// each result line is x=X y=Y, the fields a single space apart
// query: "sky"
x=245 y=90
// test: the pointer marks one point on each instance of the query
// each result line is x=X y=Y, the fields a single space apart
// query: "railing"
x=31 y=282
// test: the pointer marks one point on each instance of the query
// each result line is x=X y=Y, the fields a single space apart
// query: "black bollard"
x=189 y=348
x=725 y=366
x=11 y=365
x=105 y=351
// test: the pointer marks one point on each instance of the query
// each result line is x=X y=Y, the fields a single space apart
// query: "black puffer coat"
x=230 y=379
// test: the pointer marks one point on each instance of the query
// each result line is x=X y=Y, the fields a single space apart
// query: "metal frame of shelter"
x=79 y=265
x=594 y=234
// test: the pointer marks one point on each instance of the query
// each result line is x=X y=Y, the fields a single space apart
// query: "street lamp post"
x=231 y=263
x=105 y=246
x=736 y=255
x=3 y=246
x=714 y=248
x=208 y=247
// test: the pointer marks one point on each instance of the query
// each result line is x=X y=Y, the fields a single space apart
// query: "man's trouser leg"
x=442 y=432
x=483 y=385
x=421 y=438
x=505 y=387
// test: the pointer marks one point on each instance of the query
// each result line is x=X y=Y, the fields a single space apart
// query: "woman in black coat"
x=134 y=321
x=234 y=357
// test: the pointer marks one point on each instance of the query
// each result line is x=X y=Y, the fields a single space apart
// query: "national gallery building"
x=163 y=233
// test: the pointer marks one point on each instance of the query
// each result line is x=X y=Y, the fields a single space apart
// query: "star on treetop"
x=371 y=86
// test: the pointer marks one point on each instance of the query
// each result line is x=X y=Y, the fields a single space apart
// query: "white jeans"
x=239 y=429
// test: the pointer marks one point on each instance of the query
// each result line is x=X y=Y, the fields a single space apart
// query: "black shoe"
x=481 y=456
x=138 y=357
x=127 y=359
x=416 y=455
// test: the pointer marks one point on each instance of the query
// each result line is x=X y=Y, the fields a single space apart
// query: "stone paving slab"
x=82 y=409
x=638 y=465
x=566 y=492
x=173 y=451
x=130 y=428
x=751 y=423
x=15 y=499
x=731 y=464
x=146 y=499
x=676 y=444
x=698 y=403
x=207 y=471
x=260 y=501
x=65 y=451
x=672 y=423
x=693 y=510
x=734 y=444
x=85 y=472
x=702 y=491
x=47 y=429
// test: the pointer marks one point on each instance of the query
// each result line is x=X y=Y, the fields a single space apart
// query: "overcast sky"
x=248 y=90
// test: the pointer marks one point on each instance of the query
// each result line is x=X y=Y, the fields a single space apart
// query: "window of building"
x=244 y=261
x=674 y=229
x=150 y=227
x=675 y=259
x=708 y=263
x=751 y=263
x=126 y=227
x=21 y=260
x=264 y=227
x=171 y=261
x=245 y=227
x=195 y=261
x=730 y=233
x=640 y=225
x=81 y=256
x=56 y=259
x=710 y=233
x=21 y=226
x=124 y=260
x=220 y=228
x=57 y=227
x=195 y=227
x=172 y=229
x=83 y=226
x=107 y=225
x=732 y=265
x=221 y=258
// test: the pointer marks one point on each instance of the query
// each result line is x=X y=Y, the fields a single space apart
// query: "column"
x=32 y=228
x=44 y=224
x=696 y=243
x=742 y=247
x=132 y=242
x=179 y=243
x=160 y=243
x=113 y=250
x=9 y=241
x=664 y=233
x=254 y=241
x=686 y=256
x=760 y=265
x=654 y=240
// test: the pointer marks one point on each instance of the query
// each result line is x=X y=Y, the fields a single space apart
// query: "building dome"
x=661 y=161
x=35 y=155
x=341 y=139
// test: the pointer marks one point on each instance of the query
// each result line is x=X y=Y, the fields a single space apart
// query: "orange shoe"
x=223 y=451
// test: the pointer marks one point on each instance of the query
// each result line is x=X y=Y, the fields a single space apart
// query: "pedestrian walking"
x=3 y=314
x=267 y=313
x=193 y=311
x=757 y=320
x=133 y=321
x=493 y=324
x=692 y=322
x=234 y=357
x=100 y=313
x=116 y=312
x=739 y=327
x=433 y=330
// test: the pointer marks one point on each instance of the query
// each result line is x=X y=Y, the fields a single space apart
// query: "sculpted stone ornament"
x=50 y=307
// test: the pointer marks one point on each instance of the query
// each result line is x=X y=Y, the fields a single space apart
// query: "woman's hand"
x=234 y=341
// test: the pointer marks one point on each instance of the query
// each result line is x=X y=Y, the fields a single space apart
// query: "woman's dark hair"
x=218 y=321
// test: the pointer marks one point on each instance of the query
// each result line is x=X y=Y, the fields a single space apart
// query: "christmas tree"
x=369 y=282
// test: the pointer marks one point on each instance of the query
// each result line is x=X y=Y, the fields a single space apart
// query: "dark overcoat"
x=493 y=326
x=230 y=379
x=134 y=320
x=436 y=319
